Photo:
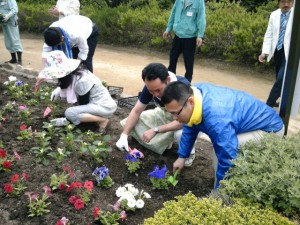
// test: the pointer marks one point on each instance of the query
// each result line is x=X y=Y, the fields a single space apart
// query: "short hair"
x=154 y=71
x=177 y=91
x=289 y=0
x=52 y=36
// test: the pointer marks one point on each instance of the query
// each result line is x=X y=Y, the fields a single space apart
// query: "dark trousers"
x=92 y=43
x=187 y=47
x=279 y=58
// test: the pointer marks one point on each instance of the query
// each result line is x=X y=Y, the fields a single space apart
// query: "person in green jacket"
x=9 y=22
x=188 y=22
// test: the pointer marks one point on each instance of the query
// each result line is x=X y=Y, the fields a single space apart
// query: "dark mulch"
x=197 y=179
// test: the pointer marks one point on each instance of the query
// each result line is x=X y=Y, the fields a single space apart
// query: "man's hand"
x=148 y=135
x=262 y=57
x=178 y=164
x=199 y=41
x=55 y=94
x=165 y=35
x=54 y=11
x=122 y=143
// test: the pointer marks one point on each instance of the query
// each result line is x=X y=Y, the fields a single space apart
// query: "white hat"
x=57 y=65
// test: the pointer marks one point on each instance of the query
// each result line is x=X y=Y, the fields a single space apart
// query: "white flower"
x=140 y=203
x=12 y=78
x=146 y=195
x=60 y=151
x=6 y=83
x=128 y=186
x=131 y=203
x=120 y=191
x=133 y=190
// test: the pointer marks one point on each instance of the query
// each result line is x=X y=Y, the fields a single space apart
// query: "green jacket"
x=189 y=21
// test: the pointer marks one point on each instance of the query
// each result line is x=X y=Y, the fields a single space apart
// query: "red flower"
x=79 y=204
x=73 y=199
x=59 y=223
x=96 y=212
x=8 y=188
x=2 y=153
x=61 y=186
x=76 y=185
x=89 y=185
x=68 y=170
x=15 y=178
x=7 y=164
x=23 y=127
x=25 y=175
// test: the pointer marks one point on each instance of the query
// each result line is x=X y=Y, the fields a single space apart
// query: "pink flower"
x=96 y=212
x=46 y=112
x=2 y=153
x=8 y=188
x=117 y=205
x=32 y=196
x=25 y=175
x=89 y=185
x=65 y=168
x=62 y=221
x=17 y=156
x=22 y=107
x=23 y=127
x=7 y=164
x=123 y=215
x=79 y=204
x=15 y=178
x=47 y=191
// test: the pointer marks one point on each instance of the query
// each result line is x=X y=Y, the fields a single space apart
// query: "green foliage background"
x=234 y=33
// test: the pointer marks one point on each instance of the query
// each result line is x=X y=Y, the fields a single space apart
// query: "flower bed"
x=40 y=168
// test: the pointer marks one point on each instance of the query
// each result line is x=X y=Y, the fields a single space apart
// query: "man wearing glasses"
x=154 y=129
x=229 y=117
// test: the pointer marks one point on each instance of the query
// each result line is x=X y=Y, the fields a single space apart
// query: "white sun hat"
x=57 y=65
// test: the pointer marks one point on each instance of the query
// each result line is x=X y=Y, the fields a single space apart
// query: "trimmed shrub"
x=267 y=173
x=189 y=210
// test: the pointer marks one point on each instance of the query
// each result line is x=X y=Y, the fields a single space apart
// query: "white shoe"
x=189 y=161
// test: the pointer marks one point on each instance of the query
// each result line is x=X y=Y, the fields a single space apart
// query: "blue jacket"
x=189 y=21
x=225 y=114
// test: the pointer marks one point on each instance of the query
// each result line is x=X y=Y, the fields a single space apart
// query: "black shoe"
x=276 y=105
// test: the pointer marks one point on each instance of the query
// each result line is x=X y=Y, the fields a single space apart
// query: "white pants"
x=243 y=139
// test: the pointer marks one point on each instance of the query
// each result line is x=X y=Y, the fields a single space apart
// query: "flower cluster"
x=83 y=193
x=159 y=178
x=38 y=206
x=61 y=182
x=107 y=217
x=102 y=177
x=16 y=186
x=133 y=160
x=130 y=198
x=63 y=221
x=5 y=162
x=25 y=133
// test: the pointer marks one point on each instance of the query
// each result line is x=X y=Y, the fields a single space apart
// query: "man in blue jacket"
x=188 y=22
x=229 y=117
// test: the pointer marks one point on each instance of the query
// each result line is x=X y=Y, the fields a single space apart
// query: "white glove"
x=122 y=143
x=7 y=16
x=55 y=94
x=59 y=122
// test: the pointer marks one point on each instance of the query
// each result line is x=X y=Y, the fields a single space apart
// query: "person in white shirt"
x=65 y=8
x=77 y=36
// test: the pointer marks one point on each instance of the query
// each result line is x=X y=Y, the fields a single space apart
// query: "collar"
x=196 y=117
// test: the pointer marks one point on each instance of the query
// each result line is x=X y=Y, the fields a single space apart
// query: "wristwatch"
x=156 y=130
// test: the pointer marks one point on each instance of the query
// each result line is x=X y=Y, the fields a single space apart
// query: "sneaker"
x=189 y=161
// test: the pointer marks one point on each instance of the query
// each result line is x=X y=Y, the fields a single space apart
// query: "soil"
x=198 y=178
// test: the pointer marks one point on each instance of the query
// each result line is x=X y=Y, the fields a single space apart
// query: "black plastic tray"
x=130 y=102
x=114 y=90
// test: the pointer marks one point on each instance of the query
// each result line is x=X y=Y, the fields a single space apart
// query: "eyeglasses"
x=177 y=113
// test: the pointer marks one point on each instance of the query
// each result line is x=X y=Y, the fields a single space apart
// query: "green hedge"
x=189 y=210
x=232 y=34
x=267 y=173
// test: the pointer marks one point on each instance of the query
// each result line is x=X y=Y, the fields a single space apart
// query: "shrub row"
x=189 y=210
x=232 y=34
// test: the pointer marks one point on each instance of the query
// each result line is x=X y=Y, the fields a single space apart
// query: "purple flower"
x=157 y=173
x=100 y=173
x=131 y=158
x=19 y=83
